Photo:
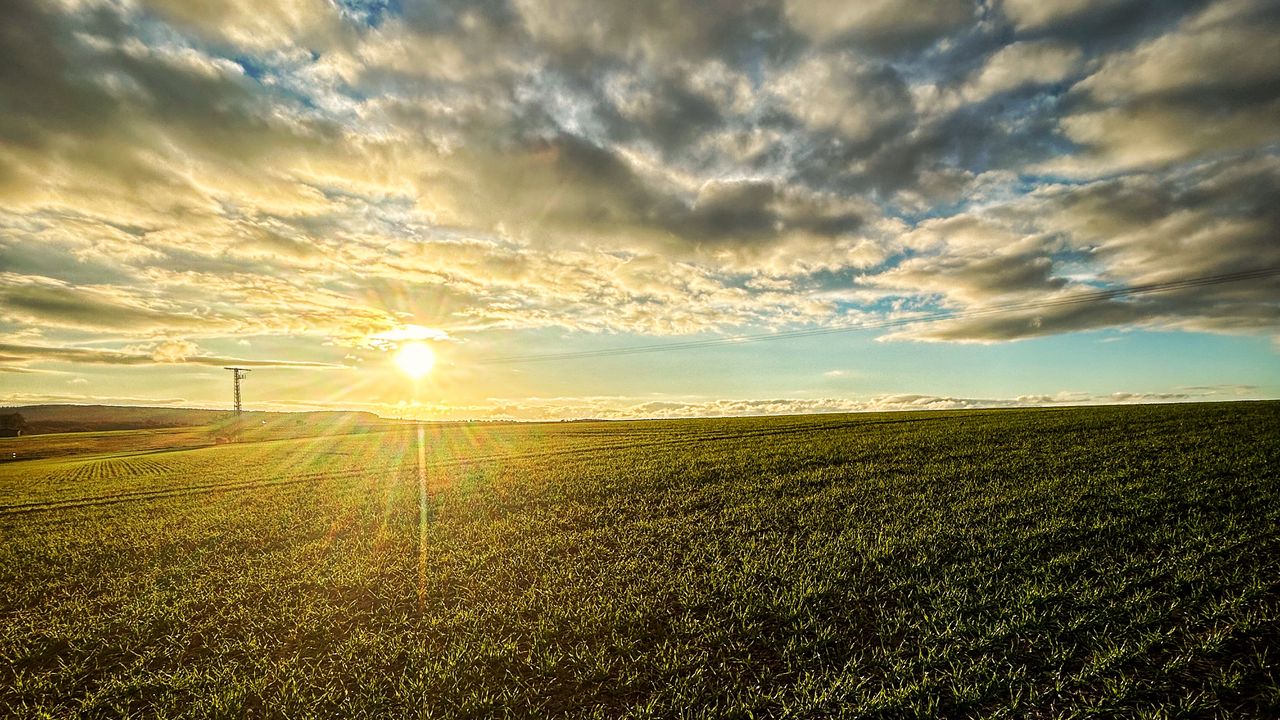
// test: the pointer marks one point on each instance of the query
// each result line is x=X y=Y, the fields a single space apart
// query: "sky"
x=305 y=187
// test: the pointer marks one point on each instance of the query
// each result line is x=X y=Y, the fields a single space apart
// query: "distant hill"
x=43 y=419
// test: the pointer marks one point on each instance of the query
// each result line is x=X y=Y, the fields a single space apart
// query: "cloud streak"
x=13 y=357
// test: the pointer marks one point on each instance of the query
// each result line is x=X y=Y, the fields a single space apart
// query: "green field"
x=1015 y=563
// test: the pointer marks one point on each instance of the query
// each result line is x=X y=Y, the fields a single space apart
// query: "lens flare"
x=415 y=359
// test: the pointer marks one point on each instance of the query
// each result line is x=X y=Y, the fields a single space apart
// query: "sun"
x=415 y=359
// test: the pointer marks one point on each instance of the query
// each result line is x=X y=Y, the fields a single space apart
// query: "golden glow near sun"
x=415 y=359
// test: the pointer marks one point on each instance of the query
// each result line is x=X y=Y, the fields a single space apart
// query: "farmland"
x=1009 y=563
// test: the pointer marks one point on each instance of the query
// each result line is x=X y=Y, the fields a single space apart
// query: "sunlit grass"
x=1109 y=561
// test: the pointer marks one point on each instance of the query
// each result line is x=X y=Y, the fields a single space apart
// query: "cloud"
x=1186 y=94
x=390 y=339
x=628 y=408
x=1227 y=389
x=839 y=93
x=174 y=351
x=47 y=301
x=564 y=194
x=1042 y=62
x=974 y=260
x=175 y=174
x=879 y=23
x=112 y=114
x=1202 y=55
x=1034 y=14
x=255 y=23
x=15 y=399
x=1155 y=136
x=1211 y=220
x=165 y=353
x=1129 y=397
x=654 y=32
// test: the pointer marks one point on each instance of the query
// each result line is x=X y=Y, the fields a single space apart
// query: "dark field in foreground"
x=1031 y=563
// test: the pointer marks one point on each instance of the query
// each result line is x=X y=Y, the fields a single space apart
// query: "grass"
x=37 y=447
x=1115 y=561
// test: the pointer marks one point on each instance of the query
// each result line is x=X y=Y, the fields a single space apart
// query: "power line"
x=1081 y=299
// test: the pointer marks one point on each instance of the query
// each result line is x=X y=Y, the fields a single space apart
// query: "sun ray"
x=422 y=516
x=415 y=359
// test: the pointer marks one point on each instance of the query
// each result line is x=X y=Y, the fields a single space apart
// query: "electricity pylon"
x=238 y=374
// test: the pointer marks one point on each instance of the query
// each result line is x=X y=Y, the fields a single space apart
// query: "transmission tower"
x=238 y=374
